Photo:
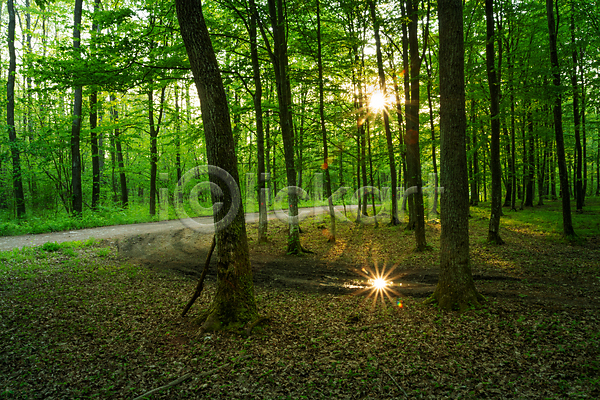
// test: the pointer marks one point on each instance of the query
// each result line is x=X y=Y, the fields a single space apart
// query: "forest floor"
x=101 y=319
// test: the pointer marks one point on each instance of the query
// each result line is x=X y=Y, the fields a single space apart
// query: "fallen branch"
x=168 y=385
x=200 y=284
x=183 y=378
x=393 y=380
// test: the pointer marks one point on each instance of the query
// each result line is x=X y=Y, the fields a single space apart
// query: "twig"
x=200 y=284
x=183 y=378
x=393 y=380
x=168 y=385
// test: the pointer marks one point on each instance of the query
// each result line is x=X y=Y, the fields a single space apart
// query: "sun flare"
x=377 y=102
x=379 y=283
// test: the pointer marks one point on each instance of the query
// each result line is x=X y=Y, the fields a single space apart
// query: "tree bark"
x=455 y=288
x=233 y=304
x=10 y=114
x=568 y=230
x=260 y=135
x=76 y=190
x=332 y=231
x=386 y=116
x=413 y=161
x=494 y=85
x=579 y=194
x=434 y=210
x=119 y=155
x=93 y=125
x=284 y=96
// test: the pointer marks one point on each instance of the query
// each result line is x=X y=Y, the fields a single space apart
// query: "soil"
x=169 y=245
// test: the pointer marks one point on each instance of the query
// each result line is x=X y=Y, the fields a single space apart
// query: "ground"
x=102 y=319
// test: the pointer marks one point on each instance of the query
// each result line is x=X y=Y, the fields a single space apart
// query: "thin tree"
x=94 y=124
x=413 y=161
x=579 y=192
x=279 y=57
x=76 y=190
x=10 y=114
x=455 y=288
x=332 y=231
x=234 y=303
x=494 y=85
x=260 y=135
x=386 y=116
x=568 y=230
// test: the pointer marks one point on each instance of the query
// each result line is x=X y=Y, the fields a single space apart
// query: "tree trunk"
x=386 y=116
x=119 y=154
x=455 y=288
x=579 y=195
x=284 y=95
x=260 y=135
x=413 y=162
x=10 y=114
x=93 y=126
x=529 y=192
x=233 y=304
x=76 y=190
x=494 y=85
x=154 y=130
x=568 y=230
x=332 y=231
x=434 y=210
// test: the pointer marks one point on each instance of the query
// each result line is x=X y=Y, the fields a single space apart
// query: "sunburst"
x=380 y=283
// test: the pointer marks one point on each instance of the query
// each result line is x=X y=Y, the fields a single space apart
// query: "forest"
x=403 y=195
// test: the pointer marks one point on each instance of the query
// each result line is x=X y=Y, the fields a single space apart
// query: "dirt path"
x=119 y=231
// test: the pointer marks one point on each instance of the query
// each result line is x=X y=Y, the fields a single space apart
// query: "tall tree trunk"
x=76 y=190
x=386 y=116
x=154 y=130
x=579 y=195
x=119 y=155
x=332 y=231
x=413 y=162
x=93 y=125
x=455 y=288
x=494 y=85
x=475 y=159
x=260 y=136
x=568 y=230
x=434 y=210
x=94 y=148
x=234 y=303
x=284 y=95
x=529 y=192
x=10 y=114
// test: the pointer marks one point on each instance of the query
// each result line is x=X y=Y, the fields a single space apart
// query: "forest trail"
x=121 y=231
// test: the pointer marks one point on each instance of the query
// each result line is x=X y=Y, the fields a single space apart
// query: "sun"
x=378 y=102
x=380 y=284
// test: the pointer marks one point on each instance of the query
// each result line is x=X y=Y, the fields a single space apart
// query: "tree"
x=279 y=57
x=331 y=237
x=93 y=126
x=386 y=116
x=568 y=230
x=10 y=114
x=234 y=303
x=455 y=287
x=76 y=189
x=413 y=161
x=260 y=135
x=494 y=85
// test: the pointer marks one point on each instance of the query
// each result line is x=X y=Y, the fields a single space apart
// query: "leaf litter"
x=95 y=325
